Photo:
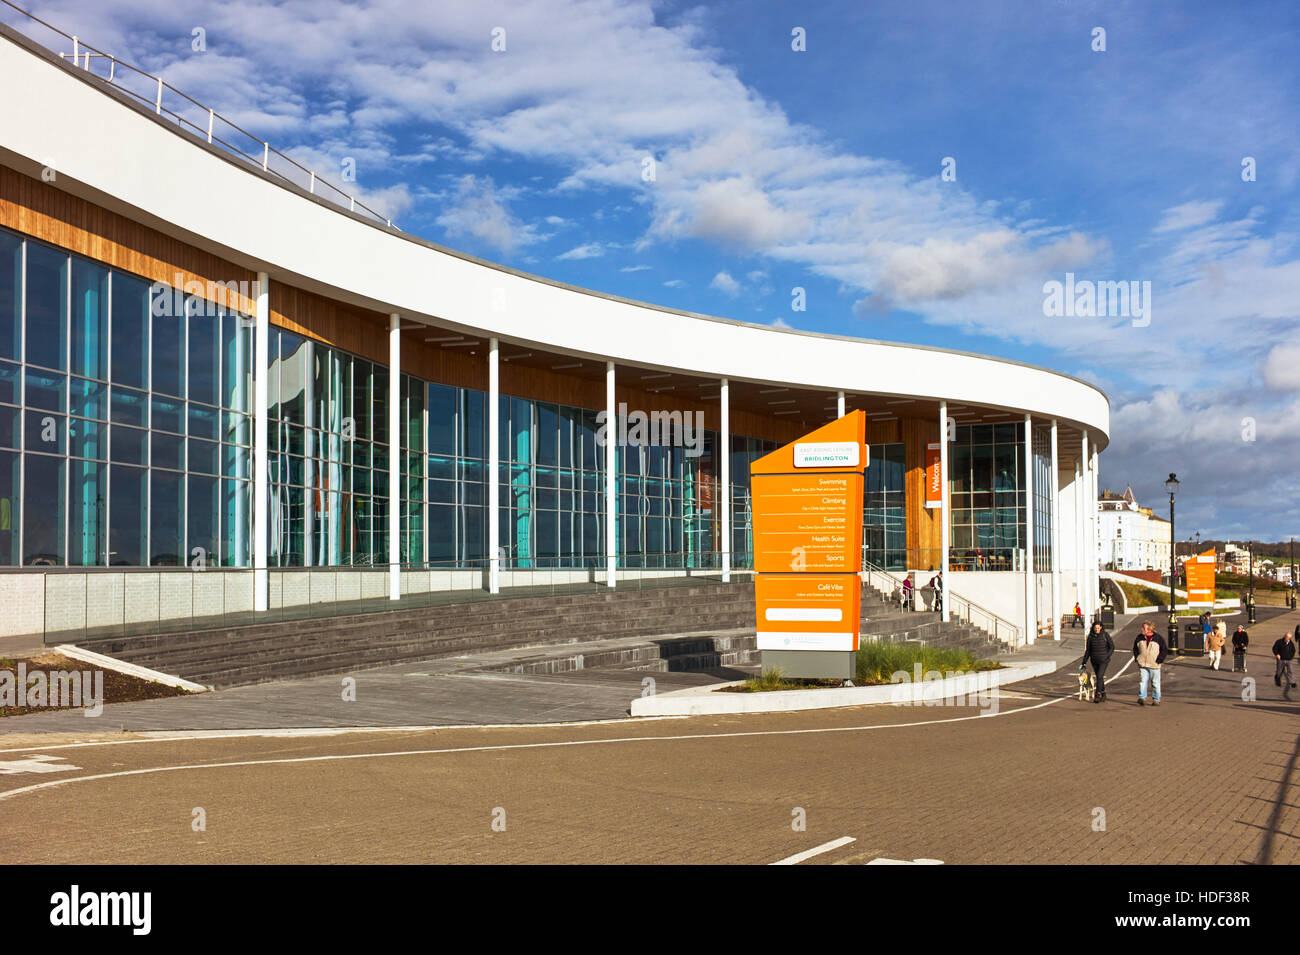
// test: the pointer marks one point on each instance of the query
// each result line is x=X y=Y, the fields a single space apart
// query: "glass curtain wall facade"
x=986 y=495
x=1042 y=450
x=744 y=452
x=884 y=507
x=125 y=438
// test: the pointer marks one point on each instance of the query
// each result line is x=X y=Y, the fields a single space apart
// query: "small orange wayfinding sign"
x=1200 y=579
x=807 y=521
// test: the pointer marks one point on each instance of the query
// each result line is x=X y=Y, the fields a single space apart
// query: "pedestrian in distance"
x=1214 y=643
x=1078 y=616
x=1284 y=653
x=1149 y=651
x=936 y=589
x=1240 y=641
x=1098 y=649
x=908 y=589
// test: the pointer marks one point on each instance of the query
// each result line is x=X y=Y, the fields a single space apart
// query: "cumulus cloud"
x=725 y=284
x=942 y=269
x=479 y=212
x=1280 y=370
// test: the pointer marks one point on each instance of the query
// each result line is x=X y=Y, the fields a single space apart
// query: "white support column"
x=394 y=457
x=1085 y=552
x=1093 y=565
x=1077 y=533
x=611 y=511
x=944 y=522
x=724 y=403
x=1031 y=579
x=494 y=482
x=839 y=404
x=261 y=490
x=1056 y=538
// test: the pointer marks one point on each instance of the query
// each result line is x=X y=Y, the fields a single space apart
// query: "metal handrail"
x=81 y=55
x=999 y=629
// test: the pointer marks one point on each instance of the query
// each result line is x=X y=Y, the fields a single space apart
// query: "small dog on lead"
x=1085 y=685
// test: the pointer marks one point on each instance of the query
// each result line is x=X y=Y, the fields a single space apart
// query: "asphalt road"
x=1205 y=778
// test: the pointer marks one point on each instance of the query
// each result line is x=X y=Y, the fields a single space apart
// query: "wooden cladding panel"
x=923 y=524
x=48 y=214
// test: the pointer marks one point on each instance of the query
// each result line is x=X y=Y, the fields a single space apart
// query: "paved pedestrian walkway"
x=459 y=691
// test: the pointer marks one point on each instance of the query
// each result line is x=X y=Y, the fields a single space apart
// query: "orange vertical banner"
x=933 y=487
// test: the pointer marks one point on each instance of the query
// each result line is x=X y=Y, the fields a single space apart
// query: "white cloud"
x=634 y=268
x=1281 y=369
x=590 y=250
x=675 y=283
x=479 y=212
x=1188 y=215
x=725 y=284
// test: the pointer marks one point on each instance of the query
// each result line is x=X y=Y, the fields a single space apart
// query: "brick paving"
x=1205 y=778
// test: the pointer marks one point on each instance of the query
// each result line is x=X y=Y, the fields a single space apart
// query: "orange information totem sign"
x=807 y=520
x=1199 y=571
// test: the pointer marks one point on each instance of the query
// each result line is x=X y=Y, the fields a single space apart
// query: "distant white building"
x=1129 y=536
x=1234 y=559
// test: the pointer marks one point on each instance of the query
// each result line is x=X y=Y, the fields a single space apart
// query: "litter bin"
x=1194 y=639
x=1108 y=617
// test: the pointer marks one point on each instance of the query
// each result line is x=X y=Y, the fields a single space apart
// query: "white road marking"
x=815 y=851
x=40 y=763
x=182 y=736
x=883 y=861
x=554 y=744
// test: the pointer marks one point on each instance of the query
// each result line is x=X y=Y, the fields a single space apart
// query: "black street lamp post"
x=1250 y=600
x=1172 y=487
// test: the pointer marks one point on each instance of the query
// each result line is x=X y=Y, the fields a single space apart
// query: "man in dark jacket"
x=1149 y=650
x=1097 y=650
x=1284 y=652
x=1240 y=641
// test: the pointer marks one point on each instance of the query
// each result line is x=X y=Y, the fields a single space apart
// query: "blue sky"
x=820 y=169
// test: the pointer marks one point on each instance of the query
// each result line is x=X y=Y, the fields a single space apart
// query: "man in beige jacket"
x=1149 y=650
x=1215 y=641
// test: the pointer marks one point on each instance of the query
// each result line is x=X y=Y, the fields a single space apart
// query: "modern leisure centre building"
x=210 y=361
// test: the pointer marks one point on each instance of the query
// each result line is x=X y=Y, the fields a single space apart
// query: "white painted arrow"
x=34 y=764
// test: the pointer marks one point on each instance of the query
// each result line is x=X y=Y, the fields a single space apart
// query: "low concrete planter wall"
x=706 y=700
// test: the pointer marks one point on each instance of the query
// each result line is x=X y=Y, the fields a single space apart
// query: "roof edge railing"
x=81 y=56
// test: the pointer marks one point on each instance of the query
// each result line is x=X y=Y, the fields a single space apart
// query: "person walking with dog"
x=1214 y=643
x=1149 y=651
x=1240 y=641
x=1098 y=649
x=1284 y=653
